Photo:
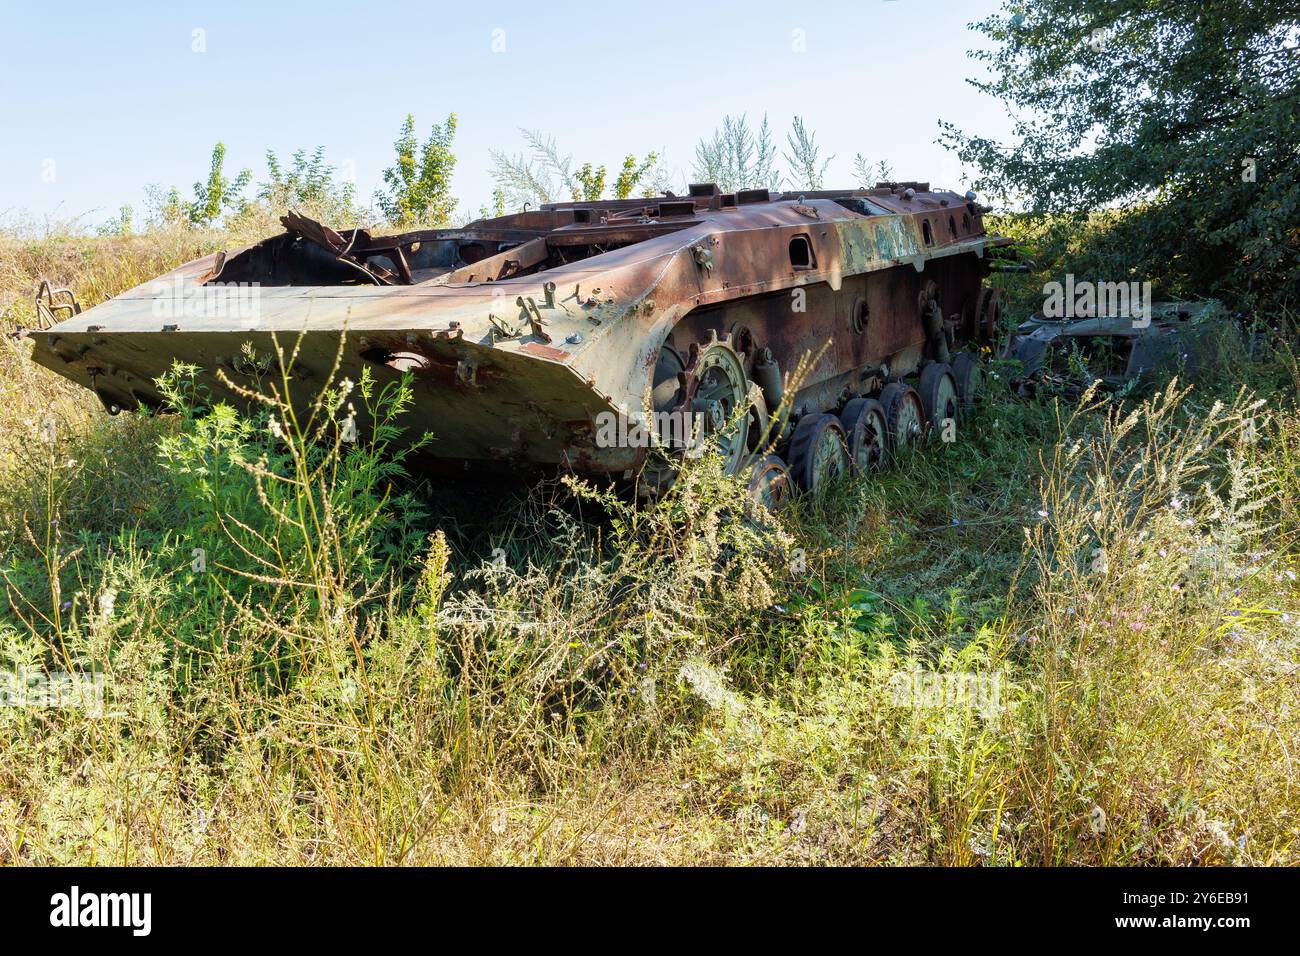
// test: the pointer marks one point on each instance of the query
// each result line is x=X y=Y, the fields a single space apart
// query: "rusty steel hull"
x=520 y=331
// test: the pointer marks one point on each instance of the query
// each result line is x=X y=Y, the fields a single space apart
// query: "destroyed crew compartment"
x=309 y=253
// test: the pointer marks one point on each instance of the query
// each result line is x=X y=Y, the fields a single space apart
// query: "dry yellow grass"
x=676 y=684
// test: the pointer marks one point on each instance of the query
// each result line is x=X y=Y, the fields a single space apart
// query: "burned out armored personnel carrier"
x=801 y=334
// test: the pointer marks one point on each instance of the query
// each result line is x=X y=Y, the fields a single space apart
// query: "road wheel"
x=818 y=451
x=864 y=423
x=668 y=389
x=938 y=394
x=770 y=484
x=969 y=375
x=668 y=392
x=988 y=314
x=904 y=415
x=760 y=430
x=720 y=399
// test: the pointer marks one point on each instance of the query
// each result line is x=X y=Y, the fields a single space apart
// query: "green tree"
x=1183 y=117
x=633 y=173
x=218 y=195
x=541 y=175
x=418 y=189
x=498 y=205
x=590 y=183
x=122 y=224
x=164 y=208
x=307 y=182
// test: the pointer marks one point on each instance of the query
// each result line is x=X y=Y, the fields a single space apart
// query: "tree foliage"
x=540 y=174
x=218 y=195
x=807 y=168
x=308 y=182
x=591 y=182
x=417 y=189
x=866 y=173
x=1180 y=116
x=498 y=205
x=633 y=173
x=122 y=225
x=735 y=157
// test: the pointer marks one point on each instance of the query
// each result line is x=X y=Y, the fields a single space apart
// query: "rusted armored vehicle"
x=1067 y=355
x=802 y=334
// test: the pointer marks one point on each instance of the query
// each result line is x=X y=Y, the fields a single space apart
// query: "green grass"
x=366 y=670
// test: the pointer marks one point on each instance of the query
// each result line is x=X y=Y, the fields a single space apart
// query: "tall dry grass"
x=364 y=670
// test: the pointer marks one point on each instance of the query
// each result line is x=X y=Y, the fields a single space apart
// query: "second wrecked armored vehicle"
x=808 y=333
x=1068 y=354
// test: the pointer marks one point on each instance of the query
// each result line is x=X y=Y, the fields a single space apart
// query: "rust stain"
x=544 y=351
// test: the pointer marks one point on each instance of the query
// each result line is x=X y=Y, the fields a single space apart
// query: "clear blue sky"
x=114 y=96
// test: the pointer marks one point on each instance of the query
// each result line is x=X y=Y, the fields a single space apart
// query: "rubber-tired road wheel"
x=864 y=423
x=938 y=394
x=904 y=415
x=969 y=375
x=770 y=484
x=818 y=452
